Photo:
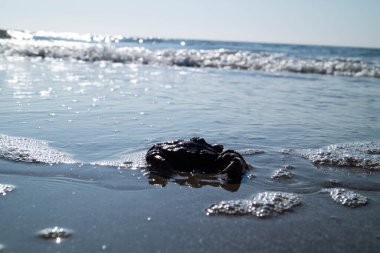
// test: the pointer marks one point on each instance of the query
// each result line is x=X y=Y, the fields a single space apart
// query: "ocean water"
x=78 y=112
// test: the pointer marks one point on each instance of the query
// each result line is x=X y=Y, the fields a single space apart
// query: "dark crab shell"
x=195 y=155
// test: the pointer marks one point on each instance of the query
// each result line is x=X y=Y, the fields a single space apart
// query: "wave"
x=198 y=58
x=63 y=36
x=22 y=149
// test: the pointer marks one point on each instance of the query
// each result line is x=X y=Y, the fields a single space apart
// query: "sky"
x=317 y=22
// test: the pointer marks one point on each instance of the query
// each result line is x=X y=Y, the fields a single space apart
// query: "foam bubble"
x=357 y=154
x=282 y=174
x=346 y=197
x=4 y=188
x=132 y=161
x=262 y=205
x=22 y=149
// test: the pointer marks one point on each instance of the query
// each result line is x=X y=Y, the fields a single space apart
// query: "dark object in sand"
x=196 y=156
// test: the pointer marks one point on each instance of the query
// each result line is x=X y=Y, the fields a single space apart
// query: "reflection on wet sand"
x=194 y=180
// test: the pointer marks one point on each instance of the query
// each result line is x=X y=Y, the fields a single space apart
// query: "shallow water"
x=68 y=127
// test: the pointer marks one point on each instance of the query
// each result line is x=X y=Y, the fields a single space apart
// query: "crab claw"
x=235 y=168
x=157 y=161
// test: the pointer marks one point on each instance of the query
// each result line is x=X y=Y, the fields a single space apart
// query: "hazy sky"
x=327 y=22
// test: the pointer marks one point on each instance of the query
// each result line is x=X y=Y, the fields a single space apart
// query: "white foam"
x=5 y=188
x=22 y=149
x=346 y=198
x=131 y=161
x=262 y=205
x=357 y=154
x=65 y=36
x=251 y=151
x=282 y=174
x=221 y=58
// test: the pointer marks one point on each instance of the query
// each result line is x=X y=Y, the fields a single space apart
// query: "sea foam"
x=346 y=197
x=5 y=188
x=22 y=149
x=199 y=58
x=131 y=161
x=261 y=205
x=357 y=154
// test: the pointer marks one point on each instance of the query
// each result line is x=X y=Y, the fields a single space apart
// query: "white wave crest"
x=64 y=36
x=221 y=58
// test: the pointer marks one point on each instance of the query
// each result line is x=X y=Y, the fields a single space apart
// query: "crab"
x=196 y=156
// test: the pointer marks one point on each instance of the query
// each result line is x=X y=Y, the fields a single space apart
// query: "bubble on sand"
x=346 y=197
x=55 y=233
x=357 y=154
x=4 y=188
x=264 y=204
x=22 y=149
x=282 y=174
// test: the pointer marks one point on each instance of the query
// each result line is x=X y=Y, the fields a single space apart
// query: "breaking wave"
x=199 y=58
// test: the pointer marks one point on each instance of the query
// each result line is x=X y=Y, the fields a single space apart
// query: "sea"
x=79 y=111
